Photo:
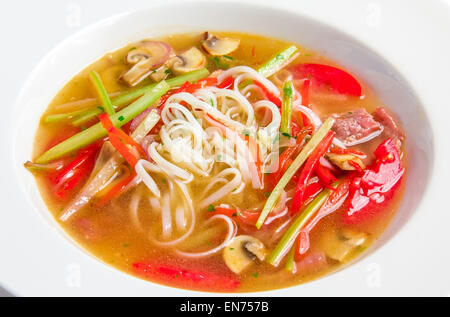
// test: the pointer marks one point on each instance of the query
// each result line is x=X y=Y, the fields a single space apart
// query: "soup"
x=220 y=162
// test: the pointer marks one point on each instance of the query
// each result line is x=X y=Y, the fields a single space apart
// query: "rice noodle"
x=166 y=217
x=141 y=170
x=168 y=167
x=249 y=73
x=232 y=230
x=224 y=190
x=180 y=219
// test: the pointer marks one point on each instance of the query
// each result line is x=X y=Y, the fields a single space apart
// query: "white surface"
x=411 y=35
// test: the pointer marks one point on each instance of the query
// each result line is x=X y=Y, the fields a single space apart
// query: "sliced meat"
x=355 y=127
x=391 y=128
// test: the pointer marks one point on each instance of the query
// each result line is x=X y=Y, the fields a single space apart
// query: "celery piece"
x=288 y=239
x=59 y=117
x=131 y=95
x=102 y=93
x=97 y=131
x=293 y=168
x=290 y=262
x=273 y=65
x=286 y=108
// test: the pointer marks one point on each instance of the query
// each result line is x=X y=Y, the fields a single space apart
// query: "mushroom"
x=146 y=57
x=242 y=252
x=339 y=244
x=188 y=61
x=218 y=46
x=342 y=161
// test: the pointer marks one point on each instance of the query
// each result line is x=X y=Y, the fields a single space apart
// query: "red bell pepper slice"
x=73 y=173
x=374 y=183
x=284 y=160
x=120 y=141
x=227 y=83
x=268 y=95
x=308 y=169
x=181 y=277
x=339 y=80
x=305 y=92
x=326 y=177
x=116 y=190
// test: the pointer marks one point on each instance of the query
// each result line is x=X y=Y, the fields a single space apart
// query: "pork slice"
x=355 y=127
x=391 y=128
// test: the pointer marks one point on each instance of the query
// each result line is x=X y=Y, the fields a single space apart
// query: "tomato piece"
x=339 y=80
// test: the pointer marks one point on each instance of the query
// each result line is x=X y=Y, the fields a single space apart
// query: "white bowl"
x=40 y=262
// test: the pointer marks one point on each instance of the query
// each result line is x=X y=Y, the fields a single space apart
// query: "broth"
x=111 y=232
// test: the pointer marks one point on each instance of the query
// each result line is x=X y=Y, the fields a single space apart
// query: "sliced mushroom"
x=339 y=244
x=188 y=61
x=146 y=57
x=218 y=46
x=342 y=161
x=242 y=252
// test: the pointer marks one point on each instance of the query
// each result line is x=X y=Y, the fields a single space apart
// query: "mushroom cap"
x=147 y=56
x=219 y=46
x=188 y=61
x=242 y=251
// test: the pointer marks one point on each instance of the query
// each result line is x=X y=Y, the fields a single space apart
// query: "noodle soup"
x=220 y=162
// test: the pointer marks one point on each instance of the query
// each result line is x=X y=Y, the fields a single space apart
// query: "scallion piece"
x=293 y=168
x=102 y=93
x=273 y=65
x=286 y=108
x=97 y=131
x=132 y=95
x=288 y=239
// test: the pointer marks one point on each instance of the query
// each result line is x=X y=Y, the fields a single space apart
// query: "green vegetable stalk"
x=286 y=108
x=293 y=168
x=273 y=65
x=101 y=92
x=97 y=131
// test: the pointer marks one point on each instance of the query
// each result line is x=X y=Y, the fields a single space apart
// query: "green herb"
x=132 y=49
x=234 y=189
x=231 y=249
x=255 y=275
x=219 y=157
x=228 y=57
x=121 y=118
x=126 y=245
x=246 y=133
x=168 y=71
x=211 y=208
x=286 y=134
x=267 y=194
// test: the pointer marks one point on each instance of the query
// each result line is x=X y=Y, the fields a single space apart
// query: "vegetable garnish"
x=293 y=168
x=102 y=93
x=286 y=109
x=292 y=232
x=97 y=131
x=339 y=80
x=377 y=180
x=134 y=94
x=186 y=278
x=308 y=169
x=121 y=141
x=276 y=63
x=73 y=173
